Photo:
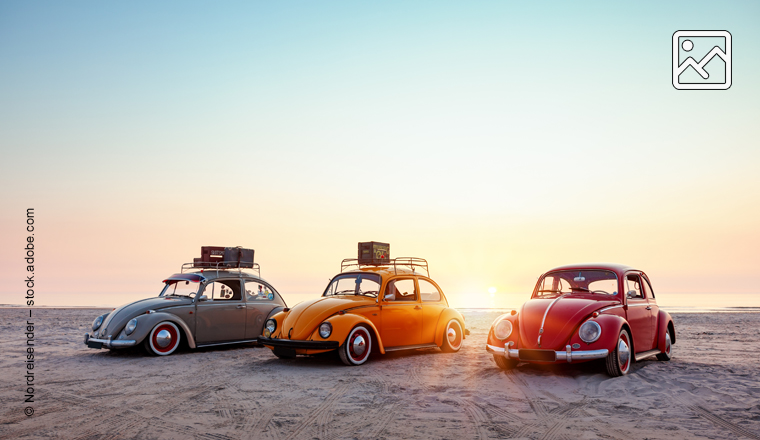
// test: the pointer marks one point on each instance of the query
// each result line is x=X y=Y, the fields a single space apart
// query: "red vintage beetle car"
x=583 y=312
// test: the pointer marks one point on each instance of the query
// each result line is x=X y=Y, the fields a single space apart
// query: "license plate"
x=538 y=355
x=93 y=344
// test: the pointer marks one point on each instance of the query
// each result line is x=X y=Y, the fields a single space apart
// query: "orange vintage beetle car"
x=386 y=306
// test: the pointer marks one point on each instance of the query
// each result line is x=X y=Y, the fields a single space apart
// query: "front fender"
x=514 y=337
x=611 y=325
x=665 y=321
x=443 y=319
x=342 y=326
x=146 y=322
x=278 y=317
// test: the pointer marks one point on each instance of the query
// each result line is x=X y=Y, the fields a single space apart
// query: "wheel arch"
x=611 y=326
x=146 y=322
x=443 y=319
x=342 y=326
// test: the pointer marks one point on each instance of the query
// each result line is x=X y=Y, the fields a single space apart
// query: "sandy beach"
x=711 y=389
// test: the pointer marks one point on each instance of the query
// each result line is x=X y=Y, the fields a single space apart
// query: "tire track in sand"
x=697 y=406
x=534 y=401
x=321 y=415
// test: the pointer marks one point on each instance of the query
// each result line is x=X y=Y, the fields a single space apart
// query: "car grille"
x=538 y=355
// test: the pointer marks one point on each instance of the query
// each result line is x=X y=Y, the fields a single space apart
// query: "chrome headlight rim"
x=270 y=325
x=596 y=328
x=97 y=322
x=130 y=327
x=325 y=330
x=502 y=333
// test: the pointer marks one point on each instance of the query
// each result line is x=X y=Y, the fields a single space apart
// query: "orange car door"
x=432 y=306
x=401 y=314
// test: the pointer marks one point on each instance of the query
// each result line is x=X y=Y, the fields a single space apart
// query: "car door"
x=401 y=313
x=654 y=308
x=638 y=312
x=260 y=300
x=432 y=306
x=222 y=315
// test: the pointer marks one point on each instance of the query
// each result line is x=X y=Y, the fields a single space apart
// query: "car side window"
x=223 y=290
x=400 y=290
x=633 y=286
x=255 y=291
x=647 y=288
x=428 y=292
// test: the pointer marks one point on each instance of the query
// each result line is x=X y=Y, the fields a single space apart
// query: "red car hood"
x=563 y=319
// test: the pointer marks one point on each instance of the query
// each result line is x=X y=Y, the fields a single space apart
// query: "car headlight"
x=590 y=331
x=270 y=325
x=131 y=326
x=97 y=322
x=502 y=329
x=325 y=329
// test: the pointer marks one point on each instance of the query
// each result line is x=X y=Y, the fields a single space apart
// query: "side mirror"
x=203 y=298
x=631 y=294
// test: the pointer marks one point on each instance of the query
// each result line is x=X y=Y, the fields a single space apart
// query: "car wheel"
x=163 y=339
x=666 y=355
x=355 y=351
x=619 y=359
x=452 y=337
x=504 y=363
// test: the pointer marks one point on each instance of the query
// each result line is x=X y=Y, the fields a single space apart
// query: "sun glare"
x=492 y=291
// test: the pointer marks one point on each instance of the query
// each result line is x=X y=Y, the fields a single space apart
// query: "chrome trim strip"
x=646 y=354
x=411 y=347
x=546 y=312
x=638 y=305
x=117 y=343
x=610 y=308
x=227 y=343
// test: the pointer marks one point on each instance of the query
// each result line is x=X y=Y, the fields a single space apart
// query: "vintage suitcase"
x=374 y=252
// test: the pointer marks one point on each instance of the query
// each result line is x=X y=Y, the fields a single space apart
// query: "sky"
x=495 y=139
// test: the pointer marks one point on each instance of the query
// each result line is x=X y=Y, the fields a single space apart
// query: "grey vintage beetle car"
x=212 y=301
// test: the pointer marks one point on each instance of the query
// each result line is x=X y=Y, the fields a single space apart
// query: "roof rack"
x=410 y=262
x=222 y=265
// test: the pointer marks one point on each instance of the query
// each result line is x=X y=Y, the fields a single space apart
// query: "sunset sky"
x=495 y=139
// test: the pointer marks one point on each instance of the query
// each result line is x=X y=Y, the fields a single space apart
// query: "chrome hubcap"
x=359 y=345
x=163 y=338
x=452 y=334
x=624 y=353
x=667 y=343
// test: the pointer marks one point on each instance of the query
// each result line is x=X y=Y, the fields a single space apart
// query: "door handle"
x=649 y=307
x=241 y=306
x=417 y=307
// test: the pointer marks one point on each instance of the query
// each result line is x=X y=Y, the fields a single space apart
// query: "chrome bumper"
x=567 y=355
x=107 y=343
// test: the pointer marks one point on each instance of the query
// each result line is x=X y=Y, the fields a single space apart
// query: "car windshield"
x=354 y=284
x=180 y=288
x=603 y=282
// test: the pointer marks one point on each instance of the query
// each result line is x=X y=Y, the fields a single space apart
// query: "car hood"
x=305 y=316
x=564 y=317
x=117 y=319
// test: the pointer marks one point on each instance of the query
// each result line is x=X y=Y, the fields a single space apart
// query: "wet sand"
x=711 y=389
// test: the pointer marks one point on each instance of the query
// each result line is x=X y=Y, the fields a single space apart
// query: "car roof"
x=615 y=267
x=387 y=271
x=215 y=274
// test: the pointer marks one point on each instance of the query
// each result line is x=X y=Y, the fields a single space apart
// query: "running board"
x=646 y=354
x=225 y=343
x=411 y=347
